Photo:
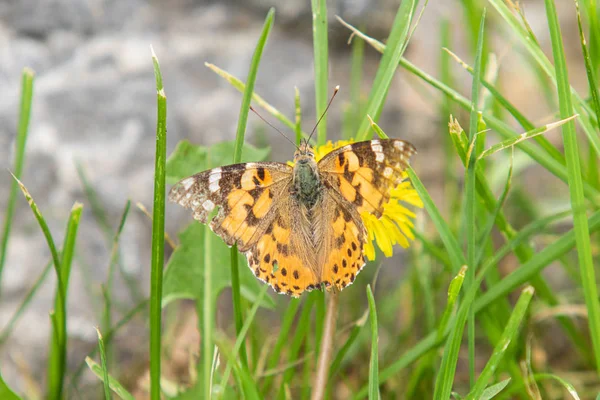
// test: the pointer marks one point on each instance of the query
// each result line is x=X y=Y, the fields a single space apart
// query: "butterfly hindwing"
x=344 y=238
x=282 y=256
x=245 y=194
x=364 y=172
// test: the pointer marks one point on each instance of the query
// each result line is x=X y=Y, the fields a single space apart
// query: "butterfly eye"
x=310 y=153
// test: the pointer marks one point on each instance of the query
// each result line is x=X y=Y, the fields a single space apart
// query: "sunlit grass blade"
x=22 y=130
x=589 y=66
x=510 y=332
x=8 y=328
x=508 y=106
x=104 y=366
x=241 y=87
x=396 y=44
x=237 y=157
x=491 y=391
x=506 y=144
x=158 y=233
x=453 y=292
x=114 y=385
x=374 y=363
x=580 y=222
x=241 y=337
x=568 y=387
x=536 y=52
x=321 y=64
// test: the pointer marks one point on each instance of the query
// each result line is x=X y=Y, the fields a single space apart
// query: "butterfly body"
x=300 y=227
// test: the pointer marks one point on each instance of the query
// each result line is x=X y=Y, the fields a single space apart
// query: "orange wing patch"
x=344 y=247
x=244 y=194
x=364 y=172
x=274 y=260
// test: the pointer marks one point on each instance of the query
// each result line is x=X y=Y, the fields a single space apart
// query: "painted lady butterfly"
x=300 y=227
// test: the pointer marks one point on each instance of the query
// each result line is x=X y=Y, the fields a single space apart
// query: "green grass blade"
x=321 y=62
x=58 y=355
x=114 y=254
x=56 y=368
x=450 y=243
x=208 y=314
x=470 y=193
x=568 y=387
x=589 y=66
x=345 y=348
x=509 y=143
x=241 y=87
x=104 y=366
x=237 y=157
x=491 y=391
x=541 y=260
x=142 y=306
x=6 y=392
x=453 y=292
x=302 y=332
x=508 y=106
x=22 y=130
x=114 y=385
x=374 y=363
x=396 y=44
x=282 y=339
x=580 y=222
x=158 y=234
x=510 y=332
x=580 y=106
x=241 y=337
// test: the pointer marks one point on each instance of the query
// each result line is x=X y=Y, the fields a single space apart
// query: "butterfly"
x=299 y=226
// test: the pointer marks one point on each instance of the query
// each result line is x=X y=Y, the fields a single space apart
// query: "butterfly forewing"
x=245 y=195
x=364 y=172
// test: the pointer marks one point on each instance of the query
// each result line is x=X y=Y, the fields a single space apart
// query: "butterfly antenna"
x=271 y=125
x=335 y=90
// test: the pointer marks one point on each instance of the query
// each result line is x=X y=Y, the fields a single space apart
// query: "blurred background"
x=94 y=113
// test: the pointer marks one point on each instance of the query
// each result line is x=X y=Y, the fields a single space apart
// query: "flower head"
x=395 y=226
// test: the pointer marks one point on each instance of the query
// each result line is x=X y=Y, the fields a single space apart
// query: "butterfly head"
x=305 y=153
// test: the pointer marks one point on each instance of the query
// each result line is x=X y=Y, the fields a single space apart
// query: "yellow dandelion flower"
x=396 y=224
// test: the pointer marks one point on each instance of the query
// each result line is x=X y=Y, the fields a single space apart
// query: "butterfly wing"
x=284 y=255
x=359 y=178
x=364 y=172
x=245 y=194
x=341 y=255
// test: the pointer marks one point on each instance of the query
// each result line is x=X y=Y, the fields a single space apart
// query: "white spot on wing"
x=208 y=205
x=214 y=186
x=387 y=172
x=379 y=157
x=187 y=183
x=215 y=175
x=376 y=146
x=399 y=145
